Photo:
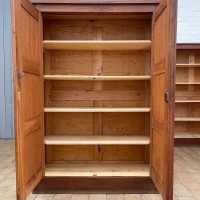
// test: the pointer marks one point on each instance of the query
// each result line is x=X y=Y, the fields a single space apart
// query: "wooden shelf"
x=188 y=65
x=97 y=44
x=187 y=101
x=186 y=135
x=96 y=140
x=187 y=119
x=95 y=78
x=60 y=109
x=188 y=83
x=129 y=169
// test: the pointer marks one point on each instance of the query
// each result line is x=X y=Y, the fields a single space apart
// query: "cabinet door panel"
x=163 y=73
x=27 y=59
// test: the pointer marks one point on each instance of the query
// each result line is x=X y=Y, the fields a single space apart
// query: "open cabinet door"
x=163 y=73
x=28 y=85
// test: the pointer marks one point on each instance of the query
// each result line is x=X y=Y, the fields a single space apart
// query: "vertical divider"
x=147 y=91
x=191 y=88
x=98 y=71
x=47 y=89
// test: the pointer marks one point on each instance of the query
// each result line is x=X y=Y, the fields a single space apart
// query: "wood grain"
x=95 y=140
x=97 y=45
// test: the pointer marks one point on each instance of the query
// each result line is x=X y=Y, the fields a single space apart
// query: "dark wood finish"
x=96 y=185
x=27 y=58
x=162 y=113
x=95 y=1
x=182 y=46
x=186 y=141
x=96 y=9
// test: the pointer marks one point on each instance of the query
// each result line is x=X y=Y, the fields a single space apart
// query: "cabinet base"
x=63 y=185
x=186 y=141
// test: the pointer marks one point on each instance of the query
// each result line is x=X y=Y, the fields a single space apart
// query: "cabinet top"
x=95 y=1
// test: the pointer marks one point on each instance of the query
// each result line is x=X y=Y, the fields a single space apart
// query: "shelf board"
x=96 y=140
x=188 y=83
x=186 y=135
x=91 y=110
x=97 y=44
x=90 y=170
x=187 y=119
x=188 y=65
x=187 y=101
x=95 y=78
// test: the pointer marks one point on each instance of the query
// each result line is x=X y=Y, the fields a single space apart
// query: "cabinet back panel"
x=71 y=123
x=71 y=62
x=123 y=124
x=123 y=153
x=72 y=153
x=183 y=127
x=69 y=29
x=124 y=63
x=115 y=63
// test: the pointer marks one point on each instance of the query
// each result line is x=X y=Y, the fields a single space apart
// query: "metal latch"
x=166 y=97
x=20 y=75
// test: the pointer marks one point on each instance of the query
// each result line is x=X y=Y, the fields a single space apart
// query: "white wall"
x=188 y=21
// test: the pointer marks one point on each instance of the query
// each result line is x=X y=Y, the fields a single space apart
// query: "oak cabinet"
x=94 y=96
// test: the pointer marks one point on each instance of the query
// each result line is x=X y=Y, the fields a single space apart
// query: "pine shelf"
x=188 y=83
x=95 y=78
x=187 y=119
x=187 y=101
x=97 y=44
x=96 y=140
x=91 y=110
x=186 y=135
x=90 y=170
x=188 y=65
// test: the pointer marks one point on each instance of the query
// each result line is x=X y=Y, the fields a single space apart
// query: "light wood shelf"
x=95 y=78
x=91 y=110
x=97 y=44
x=96 y=140
x=188 y=65
x=187 y=101
x=188 y=83
x=186 y=135
x=187 y=119
x=128 y=169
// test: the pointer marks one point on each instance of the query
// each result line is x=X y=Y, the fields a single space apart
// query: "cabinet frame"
x=162 y=179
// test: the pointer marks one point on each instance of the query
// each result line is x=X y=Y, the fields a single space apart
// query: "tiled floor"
x=186 y=185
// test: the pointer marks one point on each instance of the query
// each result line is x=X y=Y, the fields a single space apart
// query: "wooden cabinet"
x=187 y=112
x=94 y=96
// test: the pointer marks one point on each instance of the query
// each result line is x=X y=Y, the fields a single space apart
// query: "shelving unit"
x=187 y=112
x=97 y=99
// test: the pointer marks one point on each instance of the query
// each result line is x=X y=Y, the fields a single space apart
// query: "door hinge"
x=20 y=75
x=166 y=97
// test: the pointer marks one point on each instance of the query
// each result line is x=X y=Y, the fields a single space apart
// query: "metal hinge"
x=20 y=75
x=166 y=97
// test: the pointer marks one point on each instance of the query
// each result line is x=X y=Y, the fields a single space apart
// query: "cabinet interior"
x=97 y=72
x=187 y=111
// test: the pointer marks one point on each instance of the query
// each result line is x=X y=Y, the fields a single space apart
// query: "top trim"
x=188 y=46
x=95 y=1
